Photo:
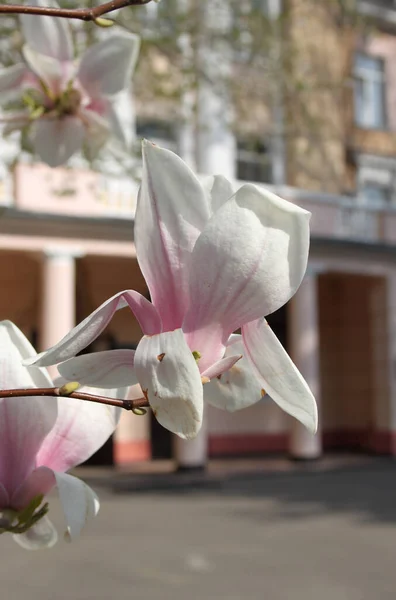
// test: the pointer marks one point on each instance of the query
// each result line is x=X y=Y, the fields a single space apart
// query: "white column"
x=215 y=140
x=192 y=454
x=58 y=290
x=303 y=334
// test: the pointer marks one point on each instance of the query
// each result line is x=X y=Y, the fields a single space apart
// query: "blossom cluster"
x=68 y=105
x=216 y=261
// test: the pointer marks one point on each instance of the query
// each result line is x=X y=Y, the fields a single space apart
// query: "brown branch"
x=57 y=392
x=84 y=14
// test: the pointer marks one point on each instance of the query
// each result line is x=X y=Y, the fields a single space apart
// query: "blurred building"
x=66 y=241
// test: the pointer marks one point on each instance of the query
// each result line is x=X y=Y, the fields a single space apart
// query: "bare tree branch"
x=83 y=14
x=133 y=405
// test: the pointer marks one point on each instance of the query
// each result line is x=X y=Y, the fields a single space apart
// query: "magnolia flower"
x=68 y=105
x=214 y=261
x=40 y=439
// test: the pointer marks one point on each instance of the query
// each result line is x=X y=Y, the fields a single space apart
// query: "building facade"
x=66 y=241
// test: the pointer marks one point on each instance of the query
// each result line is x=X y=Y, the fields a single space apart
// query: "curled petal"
x=171 y=212
x=249 y=260
x=42 y=535
x=238 y=387
x=79 y=503
x=56 y=140
x=106 y=67
x=48 y=35
x=108 y=369
x=278 y=374
x=169 y=377
x=88 y=330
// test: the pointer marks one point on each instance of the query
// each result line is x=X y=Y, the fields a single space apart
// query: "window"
x=376 y=180
x=253 y=161
x=375 y=194
x=369 y=92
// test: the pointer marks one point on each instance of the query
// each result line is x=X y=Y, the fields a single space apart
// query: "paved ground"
x=327 y=535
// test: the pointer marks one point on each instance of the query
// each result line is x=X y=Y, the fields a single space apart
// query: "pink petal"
x=107 y=67
x=279 y=376
x=88 y=330
x=48 y=35
x=249 y=260
x=80 y=430
x=108 y=369
x=24 y=422
x=40 y=481
x=170 y=380
x=172 y=210
x=221 y=366
x=56 y=140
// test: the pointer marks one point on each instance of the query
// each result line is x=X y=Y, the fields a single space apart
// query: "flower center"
x=67 y=102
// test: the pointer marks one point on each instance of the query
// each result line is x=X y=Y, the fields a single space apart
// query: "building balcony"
x=69 y=198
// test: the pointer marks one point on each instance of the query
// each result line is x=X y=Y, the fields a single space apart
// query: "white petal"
x=88 y=330
x=56 y=140
x=120 y=114
x=171 y=212
x=14 y=348
x=47 y=35
x=238 y=387
x=106 y=67
x=108 y=369
x=79 y=503
x=219 y=190
x=169 y=377
x=46 y=68
x=11 y=80
x=249 y=260
x=279 y=376
x=97 y=132
x=42 y=535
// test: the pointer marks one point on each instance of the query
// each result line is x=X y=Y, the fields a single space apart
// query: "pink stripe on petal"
x=171 y=212
x=88 y=330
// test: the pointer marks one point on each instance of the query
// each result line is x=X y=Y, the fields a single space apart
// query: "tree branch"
x=60 y=393
x=84 y=14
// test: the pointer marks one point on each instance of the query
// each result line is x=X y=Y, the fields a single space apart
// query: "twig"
x=57 y=392
x=84 y=14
